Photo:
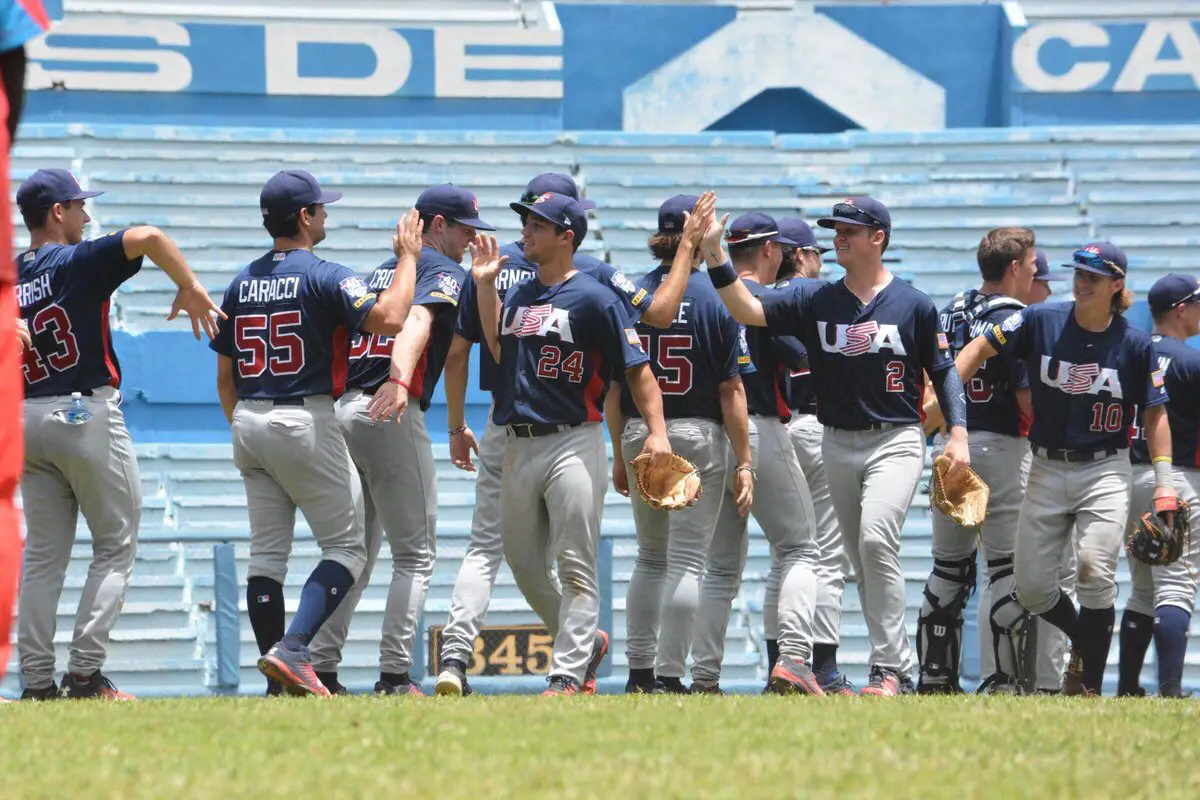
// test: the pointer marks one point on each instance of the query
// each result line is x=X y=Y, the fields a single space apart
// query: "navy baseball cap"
x=1100 y=258
x=670 y=213
x=753 y=228
x=1043 y=267
x=453 y=203
x=292 y=190
x=860 y=210
x=555 y=183
x=563 y=211
x=1173 y=290
x=799 y=232
x=46 y=187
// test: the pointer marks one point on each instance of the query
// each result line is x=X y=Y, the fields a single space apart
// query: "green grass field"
x=618 y=747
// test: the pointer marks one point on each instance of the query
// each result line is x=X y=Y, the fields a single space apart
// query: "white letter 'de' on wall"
x=172 y=73
x=393 y=60
x=1081 y=76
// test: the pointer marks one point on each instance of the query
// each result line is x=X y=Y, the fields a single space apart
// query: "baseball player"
x=282 y=362
x=698 y=362
x=559 y=339
x=803 y=262
x=869 y=338
x=788 y=519
x=21 y=23
x=998 y=412
x=477 y=574
x=1161 y=604
x=1088 y=370
x=395 y=462
x=80 y=460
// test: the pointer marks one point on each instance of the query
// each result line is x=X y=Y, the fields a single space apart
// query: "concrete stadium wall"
x=634 y=67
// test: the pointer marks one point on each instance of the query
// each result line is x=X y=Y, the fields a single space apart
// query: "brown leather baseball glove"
x=964 y=500
x=669 y=487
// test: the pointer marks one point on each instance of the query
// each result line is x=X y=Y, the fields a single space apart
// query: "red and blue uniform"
x=1180 y=365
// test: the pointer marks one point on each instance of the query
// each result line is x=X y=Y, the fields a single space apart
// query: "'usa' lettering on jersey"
x=1087 y=384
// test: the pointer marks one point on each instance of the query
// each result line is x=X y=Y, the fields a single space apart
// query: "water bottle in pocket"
x=75 y=413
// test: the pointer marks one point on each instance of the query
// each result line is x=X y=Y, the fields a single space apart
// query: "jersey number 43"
x=268 y=341
x=51 y=319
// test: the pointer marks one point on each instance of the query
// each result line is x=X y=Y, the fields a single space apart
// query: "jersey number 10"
x=1107 y=419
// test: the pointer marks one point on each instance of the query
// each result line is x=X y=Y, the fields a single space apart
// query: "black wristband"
x=723 y=275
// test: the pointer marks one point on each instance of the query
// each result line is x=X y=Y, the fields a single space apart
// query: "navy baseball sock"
x=641 y=677
x=264 y=603
x=394 y=678
x=772 y=654
x=321 y=596
x=1095 y=638
x=824 y=659
x=1170 y=642
x=1063 y=616
x=1136 y=632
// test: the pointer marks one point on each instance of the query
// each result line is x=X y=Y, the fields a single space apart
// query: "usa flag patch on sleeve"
x=1157 y=379
x=943 y=342
x=631 y=336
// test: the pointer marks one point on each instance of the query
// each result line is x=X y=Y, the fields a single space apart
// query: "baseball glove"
x=1155 y=541
x=670 y=487
x=965 y=500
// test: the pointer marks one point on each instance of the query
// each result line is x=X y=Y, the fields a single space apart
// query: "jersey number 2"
x=66 y=350
x=257 y=335
x=895 y=376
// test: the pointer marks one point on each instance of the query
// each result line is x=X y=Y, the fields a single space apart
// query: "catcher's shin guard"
x=1014 y=631
x=939 y=628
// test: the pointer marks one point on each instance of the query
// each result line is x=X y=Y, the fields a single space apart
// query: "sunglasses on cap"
x=847 y=211
x=1094 y=261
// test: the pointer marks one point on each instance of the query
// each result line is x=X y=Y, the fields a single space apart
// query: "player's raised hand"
x=195 y=302
x=710 y=245
x=407 y=240
x=23 y=335
x=486 y=259
x=390 y=400
x=695 y=222
x=462 y=444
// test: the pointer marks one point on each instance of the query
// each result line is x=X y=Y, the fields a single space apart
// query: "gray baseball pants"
x=88 y=468
x=395 y=464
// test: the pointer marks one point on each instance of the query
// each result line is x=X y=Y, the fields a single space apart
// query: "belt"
x=288 y=401
x=1074 y=456
x=533 y=431
x=874 y=426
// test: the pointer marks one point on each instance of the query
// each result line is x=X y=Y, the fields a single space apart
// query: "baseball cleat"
x=836 y=683
x=292 y=669
x=599 y=651
x=1136 y=691
x=1073 y=679
x=452 y=680
x=706 y=687
x=561 y=685
x=634 y=687
x=884 y=683
x=95 y=686
x=670 y=686
x=408 y=688
x=794 y=676
x=273 y=690
x=45 y=693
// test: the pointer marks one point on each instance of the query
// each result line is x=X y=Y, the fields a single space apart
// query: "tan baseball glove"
x=965 y=500
x=670 y=487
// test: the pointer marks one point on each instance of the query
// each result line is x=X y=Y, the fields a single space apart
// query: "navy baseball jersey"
x=991 y=394
x=635 y=298
x=773 y=356
x=866 y=360
x=1085 y=386
x=1180 y=365
x=439 y=282
x=560 y=347
x=700 y=349
x=63 y=292
x=291 y=316
x=797 y=385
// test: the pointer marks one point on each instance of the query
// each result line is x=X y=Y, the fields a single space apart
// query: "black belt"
x=533 y=431
x=288 y=401
x=1074 y=456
